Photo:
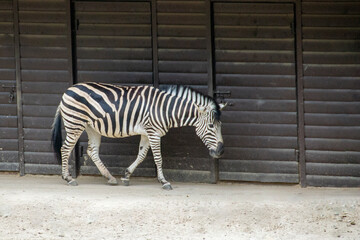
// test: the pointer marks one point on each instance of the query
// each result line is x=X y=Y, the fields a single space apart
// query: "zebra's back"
x=113 y=111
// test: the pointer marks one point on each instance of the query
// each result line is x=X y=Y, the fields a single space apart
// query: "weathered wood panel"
x=332 y=92
x=45 y=76
x=255 y=61
x=113 y=45
x=114 y=51
x=182 y=43
x=8 y=108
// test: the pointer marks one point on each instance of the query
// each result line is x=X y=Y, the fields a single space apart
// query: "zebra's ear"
x=222 y=105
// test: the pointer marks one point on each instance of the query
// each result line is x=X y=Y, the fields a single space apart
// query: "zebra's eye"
x=211 y=125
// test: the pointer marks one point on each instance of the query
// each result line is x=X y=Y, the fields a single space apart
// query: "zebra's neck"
x=184 y=113
x=192 y=100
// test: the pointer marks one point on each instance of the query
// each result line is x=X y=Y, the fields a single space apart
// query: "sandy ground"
x=43 y=207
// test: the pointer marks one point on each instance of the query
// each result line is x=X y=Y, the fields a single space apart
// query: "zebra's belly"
x=117 y=133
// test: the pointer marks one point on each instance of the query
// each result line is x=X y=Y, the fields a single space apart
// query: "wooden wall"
x=262 y=52
x=8 y=110
x=331 y=45
x=44 y=76
x=255 y=61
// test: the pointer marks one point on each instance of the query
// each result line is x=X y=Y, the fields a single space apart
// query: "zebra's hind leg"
x=93 y=152
x=66 y=149
x=155 y=143
x=143 y=149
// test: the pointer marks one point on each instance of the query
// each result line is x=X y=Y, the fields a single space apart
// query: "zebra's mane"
x=194 y=95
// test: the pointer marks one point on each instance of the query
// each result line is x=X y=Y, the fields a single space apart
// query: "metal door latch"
x=12 y=90
x=221 y=95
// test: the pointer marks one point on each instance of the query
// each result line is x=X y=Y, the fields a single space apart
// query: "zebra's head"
x=208 y=128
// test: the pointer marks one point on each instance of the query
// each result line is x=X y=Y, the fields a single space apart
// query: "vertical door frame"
x=214 y=163
x=300 y=93
x=72 y=69
x=20 y=124
x=154 y=45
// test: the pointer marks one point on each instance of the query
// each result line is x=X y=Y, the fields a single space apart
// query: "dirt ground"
x=44 y=207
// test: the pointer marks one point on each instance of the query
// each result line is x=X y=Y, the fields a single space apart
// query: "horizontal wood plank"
x=255 y=68
x=332 y=107
x=332 y=181
x=243 y=19
x=8 y=121
x=254 y=56
x=253 y=166
x=114 y=29
x=116 y=77
x=39 y=5
x=331 y=8
x=259 y=129
x=261 y=154
x=180 y=6
x=254 y=44
x=333 y=132
x=262 y=93
x=268 y=8
x=265 y=105
x=332 y=144
x=114 y=53
x=181 y=18
x=112 y=7
x=332 y=82
x=259 y=177
x=255 y=80
x=335 y=95
x=335 y=157
x=42 y=17
x=253 y=32
x=113 y=17
x=326 y=119
x=261 y=141
x=183 y=66
x=182 y=55
x=331 y=45
x=327 y=169
x=43 y=28
x=183 y=78
x=259 y=117
x=114 y=41
x=344 y=20
x=114 y=65
x=181 y=31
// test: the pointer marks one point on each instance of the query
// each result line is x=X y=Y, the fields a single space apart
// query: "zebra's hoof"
x=125 y=181
x=113 y=181
x=167 y=186
x=72 y=183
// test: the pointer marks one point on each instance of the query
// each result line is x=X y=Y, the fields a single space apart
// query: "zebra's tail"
x=56 y=138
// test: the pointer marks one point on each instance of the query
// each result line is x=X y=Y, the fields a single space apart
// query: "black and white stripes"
x=121 y=111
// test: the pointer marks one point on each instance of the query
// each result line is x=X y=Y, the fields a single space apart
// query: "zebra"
x=121 y=111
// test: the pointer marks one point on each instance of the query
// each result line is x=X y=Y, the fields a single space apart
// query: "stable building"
x=290 y=70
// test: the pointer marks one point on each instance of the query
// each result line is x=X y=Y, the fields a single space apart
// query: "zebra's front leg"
x=143 y=149
x=155 y=143
x=93 y=152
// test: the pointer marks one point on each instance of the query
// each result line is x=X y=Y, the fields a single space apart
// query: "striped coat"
x=122 y=111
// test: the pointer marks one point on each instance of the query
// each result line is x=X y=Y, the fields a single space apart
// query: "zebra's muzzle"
x=218 y=152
